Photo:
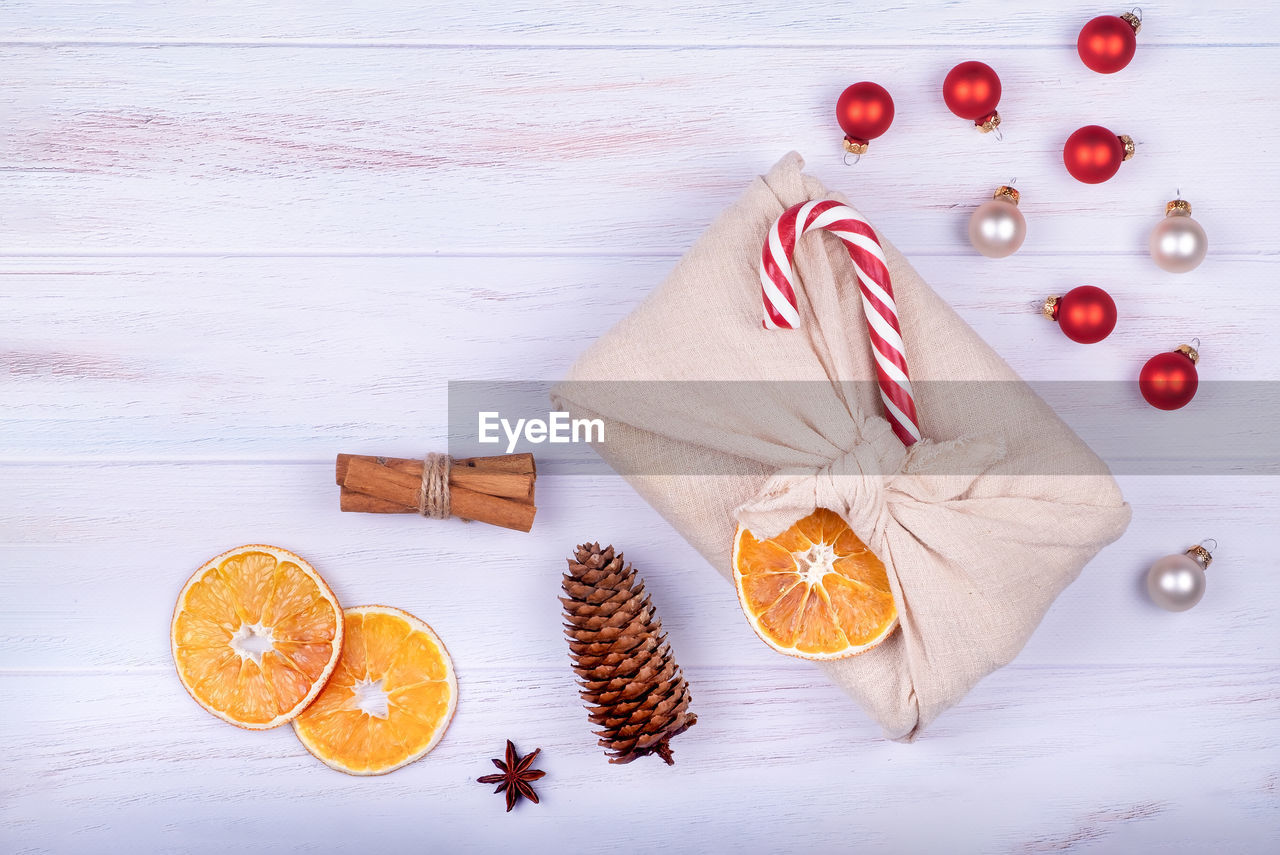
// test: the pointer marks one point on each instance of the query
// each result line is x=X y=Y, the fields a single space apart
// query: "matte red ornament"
x=972 y=91
x=1169 y=380
x=1086 y=314
x=1108 y=42
x=1093 y=154
x=864 y=111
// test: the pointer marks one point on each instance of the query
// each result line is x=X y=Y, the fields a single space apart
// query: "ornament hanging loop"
x=1207 y=540
x=855 y=147
x=1196 y=342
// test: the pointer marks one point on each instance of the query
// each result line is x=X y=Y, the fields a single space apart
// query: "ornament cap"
x=855 y=146
x=1007 y=193
x=1050 y=308
x=1132 y=20
x=1178 y=207
x=988 y=123
x=1189 y=352
x=1200 y=555
x=1130 y=148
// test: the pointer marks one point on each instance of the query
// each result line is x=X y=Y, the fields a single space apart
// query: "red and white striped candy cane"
x=777 y=281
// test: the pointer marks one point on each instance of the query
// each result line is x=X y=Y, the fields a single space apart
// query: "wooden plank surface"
x=239 y=237
x=1039 y=760
x=575 y=22
x=125 y=536
x=292 y=358
x=232 y=149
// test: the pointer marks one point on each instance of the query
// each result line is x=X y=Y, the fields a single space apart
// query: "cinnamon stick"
x=494 y=510
x=383 y=482
x=519 y=463
x=400 y=464
x=495 y=490
x=353 y=502
x=508 y=485
x=508 y=475
x=495 y=476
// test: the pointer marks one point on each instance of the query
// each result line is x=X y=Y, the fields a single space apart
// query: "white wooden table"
x=239 y=237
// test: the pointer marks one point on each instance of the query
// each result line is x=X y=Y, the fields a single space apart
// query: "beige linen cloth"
x=981 y=525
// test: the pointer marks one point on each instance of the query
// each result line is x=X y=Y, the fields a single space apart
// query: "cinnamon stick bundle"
x=495 y=490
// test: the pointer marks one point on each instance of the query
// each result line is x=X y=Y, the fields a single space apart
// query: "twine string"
x=433 y=495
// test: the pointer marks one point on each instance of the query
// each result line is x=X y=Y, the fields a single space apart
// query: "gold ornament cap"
x=1189 y=352
x=1050 y=308
x=1132 y=20
x=854 y=147
x=1200 y=555
x=1004 y=191
x=1181 y=207
x=1130 y=148
x=990 y=123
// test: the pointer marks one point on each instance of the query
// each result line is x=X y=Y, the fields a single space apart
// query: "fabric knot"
x=433 y=494
x=855 y=485
x=868 y=484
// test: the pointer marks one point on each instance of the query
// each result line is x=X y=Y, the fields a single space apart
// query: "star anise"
x=516 y=777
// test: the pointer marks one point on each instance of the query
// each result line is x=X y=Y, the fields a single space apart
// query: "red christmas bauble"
x=1086 y=314
x=972 y=91
x=864 y=111
x=1107 y=43
x=1168 y=381
x=1093 y=154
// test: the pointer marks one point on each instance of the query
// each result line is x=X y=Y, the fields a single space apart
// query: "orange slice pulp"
x=255 y=635
x=814 y=591
x=390 y=700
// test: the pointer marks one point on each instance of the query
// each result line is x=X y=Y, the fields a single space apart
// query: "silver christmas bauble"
x=997 y=228
x=1177 y=582
x=1178 y=243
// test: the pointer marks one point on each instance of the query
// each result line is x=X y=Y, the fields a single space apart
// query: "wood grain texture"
x=258 y=358
x=124 y=537
x=217 y=150
x=574 y=22
x=1041 y=760
x=239 y=237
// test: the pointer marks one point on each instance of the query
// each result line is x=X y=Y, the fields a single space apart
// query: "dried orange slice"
x=255 y=635
x=390 y=700
x=815 y=591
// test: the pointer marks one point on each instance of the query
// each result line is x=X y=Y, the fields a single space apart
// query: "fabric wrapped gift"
x=717 y=421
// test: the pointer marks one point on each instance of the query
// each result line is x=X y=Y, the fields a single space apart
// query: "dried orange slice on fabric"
x=255 y=635
x=390 y=700
x=815 y=591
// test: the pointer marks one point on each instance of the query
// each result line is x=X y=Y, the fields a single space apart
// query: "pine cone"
x=634 y=690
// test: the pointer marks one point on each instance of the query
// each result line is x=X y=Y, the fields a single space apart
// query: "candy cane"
x=777 y=281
